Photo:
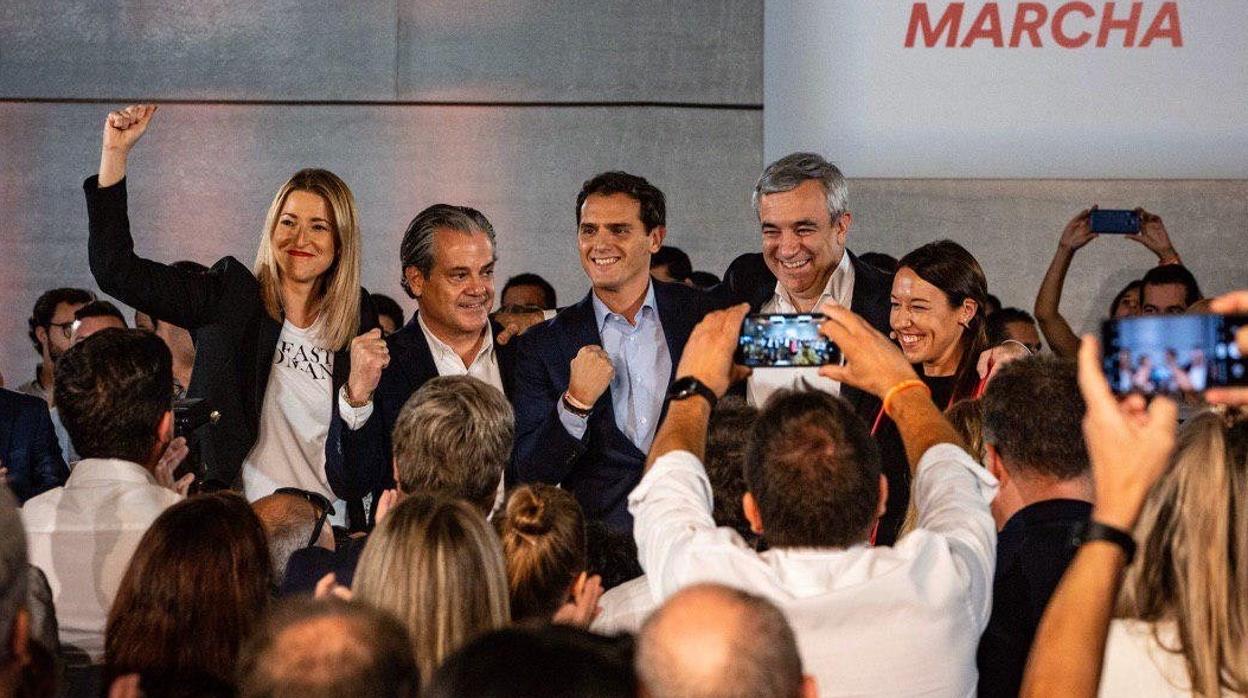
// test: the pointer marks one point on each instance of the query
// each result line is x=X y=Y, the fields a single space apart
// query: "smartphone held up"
x=1173 y=354
x=785 y=340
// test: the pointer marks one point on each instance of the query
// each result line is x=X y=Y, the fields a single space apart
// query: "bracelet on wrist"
x=574 y=406
x=903 y=385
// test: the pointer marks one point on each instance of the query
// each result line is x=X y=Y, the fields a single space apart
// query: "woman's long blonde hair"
x=437 y=566
x=1193 y=566
x=336 y=297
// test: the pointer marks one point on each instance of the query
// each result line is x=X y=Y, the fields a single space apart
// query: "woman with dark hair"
x=937 y=300
x=544 y=546
x=196 y=587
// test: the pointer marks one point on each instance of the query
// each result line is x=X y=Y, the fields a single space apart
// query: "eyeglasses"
x=66 y=328
x=318 y=501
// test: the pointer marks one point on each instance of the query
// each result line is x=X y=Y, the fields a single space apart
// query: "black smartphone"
x=1114 y=221
x=1173 y=354
x=770 y=340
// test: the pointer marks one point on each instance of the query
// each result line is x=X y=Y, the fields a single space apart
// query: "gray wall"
x=506 y=106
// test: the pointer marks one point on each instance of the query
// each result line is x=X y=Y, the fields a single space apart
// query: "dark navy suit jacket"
x=359 y=462
x=28 y=446
x=601 y=468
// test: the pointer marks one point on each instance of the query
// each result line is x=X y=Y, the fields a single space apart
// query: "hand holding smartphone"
x=785 y=340
x=1114 y=221
x=1173 y=354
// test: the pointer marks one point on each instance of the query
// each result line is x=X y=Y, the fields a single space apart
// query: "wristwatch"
x=687 y=387
x=1094 y=530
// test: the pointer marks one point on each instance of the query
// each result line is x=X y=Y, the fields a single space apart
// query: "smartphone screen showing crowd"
x=785 y=340
x=1173 y=354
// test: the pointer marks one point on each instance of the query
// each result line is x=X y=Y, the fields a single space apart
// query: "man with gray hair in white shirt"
x=900 y=620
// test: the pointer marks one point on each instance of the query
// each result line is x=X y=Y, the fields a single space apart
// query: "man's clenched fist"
x=591 y=374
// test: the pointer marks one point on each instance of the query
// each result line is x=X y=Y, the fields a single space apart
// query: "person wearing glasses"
x=51 y=326
x=271 y=340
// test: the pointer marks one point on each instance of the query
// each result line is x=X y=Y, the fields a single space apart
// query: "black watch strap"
x=1094 y=530
x=687 y=387
x=578 y=411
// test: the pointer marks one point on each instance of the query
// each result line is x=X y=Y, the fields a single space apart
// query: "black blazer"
x=748 y=280
x=234 y=335
x=359 y=462
x=28 y=446
x=601 y=468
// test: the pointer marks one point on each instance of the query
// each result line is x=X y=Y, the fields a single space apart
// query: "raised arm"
x=186 y=299
x=1055 y=328
x=1129 y=447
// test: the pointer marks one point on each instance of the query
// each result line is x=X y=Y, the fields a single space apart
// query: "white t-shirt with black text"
x=294 y=419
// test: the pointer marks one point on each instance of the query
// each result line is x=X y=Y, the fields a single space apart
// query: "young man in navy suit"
x=590 y=384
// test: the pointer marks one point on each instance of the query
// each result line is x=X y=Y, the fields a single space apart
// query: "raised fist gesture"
x=122 y=129
x=369 y=357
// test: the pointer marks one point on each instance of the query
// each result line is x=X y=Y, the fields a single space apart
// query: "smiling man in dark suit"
x=802 y=203
x=590 y=383
x=447 y=257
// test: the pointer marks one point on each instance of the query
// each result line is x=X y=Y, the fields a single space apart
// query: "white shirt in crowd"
x=484 y=367
x=625 y=607
x=881 y=621
x=1136 y=666
x=294 y=419
x=762 y=384
x=83 y=535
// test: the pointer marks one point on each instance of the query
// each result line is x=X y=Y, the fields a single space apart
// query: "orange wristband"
x=904 y=385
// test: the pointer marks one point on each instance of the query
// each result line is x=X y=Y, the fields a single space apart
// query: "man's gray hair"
x=787 y=173
x=13 y=569
x=453 y=438
x=764 y=661
x=416 y=250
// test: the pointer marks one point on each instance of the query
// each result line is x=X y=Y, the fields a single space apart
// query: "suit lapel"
x=413 y=354
x=266 y=344
x=677 y=323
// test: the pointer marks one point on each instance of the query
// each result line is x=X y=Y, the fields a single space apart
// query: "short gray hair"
x=764 y=659
x=787 y=173
x=416 y=250
x=453 y=437
x=13 y=569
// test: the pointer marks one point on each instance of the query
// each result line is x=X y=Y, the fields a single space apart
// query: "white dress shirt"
x=83 y=535
x=625 y=607
x=765 y=381
x=870 y=621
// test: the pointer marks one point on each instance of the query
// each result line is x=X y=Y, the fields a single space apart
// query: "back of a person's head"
x=727 y=436
x=554 y=661
x=453 y=437
x=100 y=308
x=13 y=570
x=1193 y=560
x=967 y=418
x=288 y=521
x=1033 y=416
x=714 y=641
x=112 y=391
x=326 y=649
x=678 y=265
x=435 y=563
x=814 y=471
x=194 y=590
x=543 y=535
x=612 y=554
x=1174 y=274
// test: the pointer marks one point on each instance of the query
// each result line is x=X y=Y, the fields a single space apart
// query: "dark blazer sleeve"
x=356 y=462
x=183 y=298
x=544 y=450
x=33 y=456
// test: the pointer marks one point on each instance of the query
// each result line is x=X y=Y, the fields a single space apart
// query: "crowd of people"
x=275 y=484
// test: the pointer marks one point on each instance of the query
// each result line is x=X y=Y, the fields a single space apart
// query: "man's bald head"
x=711 y=640
x=323 y=648
x=288 y=521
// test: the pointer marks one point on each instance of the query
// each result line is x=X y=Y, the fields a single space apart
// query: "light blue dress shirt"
x=643 y=368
